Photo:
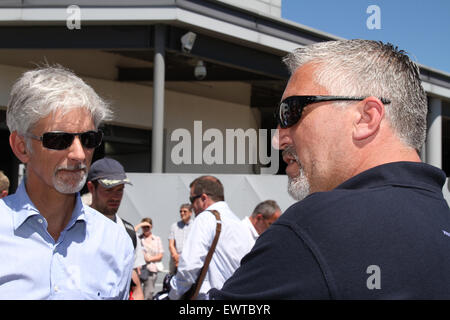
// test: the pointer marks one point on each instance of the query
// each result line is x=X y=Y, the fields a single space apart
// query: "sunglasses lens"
x=91 y=139
x=63 y=140
x=192 y=198
x=57 y=140
x=289 y=112
x=284 y=115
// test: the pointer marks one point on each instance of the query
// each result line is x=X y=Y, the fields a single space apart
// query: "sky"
x=420 y=27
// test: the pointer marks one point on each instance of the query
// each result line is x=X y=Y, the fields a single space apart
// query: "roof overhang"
x=213 y=19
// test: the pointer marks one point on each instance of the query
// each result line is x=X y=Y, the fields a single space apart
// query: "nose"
x=117 y=195
x=76 y=150
x=281 y=138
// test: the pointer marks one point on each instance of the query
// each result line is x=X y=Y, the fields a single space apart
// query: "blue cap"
x=108 y=172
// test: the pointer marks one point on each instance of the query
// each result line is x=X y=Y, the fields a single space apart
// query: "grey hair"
x=266 y=208
x=40 y=92
x=186 y=206
x=371 y=68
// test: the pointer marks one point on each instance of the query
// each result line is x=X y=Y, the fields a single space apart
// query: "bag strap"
x=205 y=267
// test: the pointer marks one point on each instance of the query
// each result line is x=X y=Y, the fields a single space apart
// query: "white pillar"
x=158 y=100
x=434 y=133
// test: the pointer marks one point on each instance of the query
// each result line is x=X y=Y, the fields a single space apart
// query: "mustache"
x=290 y=150
x=78 y=166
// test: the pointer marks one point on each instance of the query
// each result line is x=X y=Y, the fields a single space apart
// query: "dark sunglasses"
x=290 y=109
x=192 y=198
x=58 y=140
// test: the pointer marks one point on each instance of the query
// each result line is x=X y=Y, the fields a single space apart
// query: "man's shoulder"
x=321 y=202
x=178 y=225
x=326 y=210
x=100 y=223
x=128 y=225
x=225 y=212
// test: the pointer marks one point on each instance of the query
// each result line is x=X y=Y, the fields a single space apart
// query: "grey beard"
x=298 y=187
x=70 y=186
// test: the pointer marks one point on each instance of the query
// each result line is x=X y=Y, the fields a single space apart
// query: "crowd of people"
x=351 y=123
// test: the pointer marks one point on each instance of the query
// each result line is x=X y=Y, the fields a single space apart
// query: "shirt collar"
x=219 y=205
x=406 y=174
x=253 y=231
x=24 y=208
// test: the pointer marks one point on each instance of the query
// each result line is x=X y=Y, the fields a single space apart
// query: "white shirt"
x=233 y=244
x=251 y=229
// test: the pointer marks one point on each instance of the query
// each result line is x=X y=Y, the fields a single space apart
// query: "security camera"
x=200 y=70
x=187 y=41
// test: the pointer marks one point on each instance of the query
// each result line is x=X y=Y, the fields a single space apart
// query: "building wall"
x=132 y=105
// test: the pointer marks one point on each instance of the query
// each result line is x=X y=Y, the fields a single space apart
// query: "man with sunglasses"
x=371 y=221
x=207 y=193
x=52 y=246
x=178 y=234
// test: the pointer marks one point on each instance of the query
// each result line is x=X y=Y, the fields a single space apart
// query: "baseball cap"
x=108 y=172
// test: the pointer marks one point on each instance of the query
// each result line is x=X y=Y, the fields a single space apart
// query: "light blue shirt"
x=92 y=258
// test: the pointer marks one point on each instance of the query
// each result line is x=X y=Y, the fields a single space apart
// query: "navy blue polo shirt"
x=383 y=234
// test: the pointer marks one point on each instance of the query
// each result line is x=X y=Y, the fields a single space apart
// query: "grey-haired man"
x=371 y=221
x=50 y=240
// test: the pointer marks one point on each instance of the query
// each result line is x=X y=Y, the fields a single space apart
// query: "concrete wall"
x=159 y=197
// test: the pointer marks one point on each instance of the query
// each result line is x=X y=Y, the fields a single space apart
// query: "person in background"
x=178 y=234
x=207 y=193
x=264 y=214
x=4 y=185
x=153 y=254
x=72 y=251
x=106 y=183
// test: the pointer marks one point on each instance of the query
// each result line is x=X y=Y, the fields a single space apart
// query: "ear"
x=368 y=119
x=19 y=147
x=259 y=216
x=90 y=187
x=3 y=194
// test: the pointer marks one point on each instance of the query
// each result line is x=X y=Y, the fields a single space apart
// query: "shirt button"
x=40 y=220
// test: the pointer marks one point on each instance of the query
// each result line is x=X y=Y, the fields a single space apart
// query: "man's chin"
x=69 y=183
x=298 y=187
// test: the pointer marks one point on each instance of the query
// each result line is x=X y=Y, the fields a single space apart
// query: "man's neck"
x=110 y=216
x=385 y=155
x=54 y=206
x=209 y=202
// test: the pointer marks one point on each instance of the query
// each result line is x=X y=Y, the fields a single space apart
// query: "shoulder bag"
x=192 y=293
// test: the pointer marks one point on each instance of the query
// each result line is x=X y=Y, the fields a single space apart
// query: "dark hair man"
x=106 y=183
x=371 y=222
x=207 y=193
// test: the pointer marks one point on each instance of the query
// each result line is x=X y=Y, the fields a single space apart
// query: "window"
x=130 y=146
